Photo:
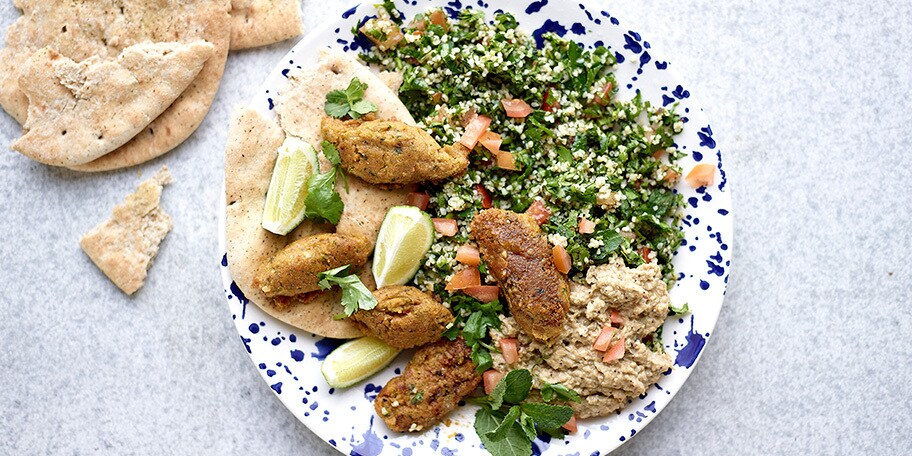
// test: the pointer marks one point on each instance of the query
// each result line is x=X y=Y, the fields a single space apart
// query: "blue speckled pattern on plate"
x=289 y=359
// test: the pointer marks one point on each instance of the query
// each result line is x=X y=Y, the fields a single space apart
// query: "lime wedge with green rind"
x=296 y=163
x=404 y=239
x=356 y=360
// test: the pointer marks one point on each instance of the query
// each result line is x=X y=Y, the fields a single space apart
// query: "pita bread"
x=104 y=28
x=81 y=111
x=250 y=158
x=261 y=22
x=123 y=246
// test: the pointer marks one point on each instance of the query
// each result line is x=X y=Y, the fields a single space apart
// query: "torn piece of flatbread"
x=81 y=111
x=82 y=29
x=261 y=22
x=124 y=245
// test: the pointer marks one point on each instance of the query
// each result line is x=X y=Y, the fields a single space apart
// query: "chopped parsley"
x=473 y=320
x=349 y=102
x=355 y=296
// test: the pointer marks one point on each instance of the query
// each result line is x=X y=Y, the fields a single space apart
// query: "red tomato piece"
x=468 y=277
x=616 y=318
x=483 y=293
x=516 y=108
x=701 y=175
x=419 y=200
x=616 y=351
x=539 y=212
x=473 y=131
x=486 y=201
x=468 y=255
x=445 y=226
x=570 y=426
x=491 y=141
x=586 y=226
x=491 y=379
x=562 y=260
x=603 y=341
x=509 y=348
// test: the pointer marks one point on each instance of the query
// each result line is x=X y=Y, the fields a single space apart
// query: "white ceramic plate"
x=289 y=359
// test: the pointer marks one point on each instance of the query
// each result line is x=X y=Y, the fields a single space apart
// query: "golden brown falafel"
x=294 y=269
x=405 y=317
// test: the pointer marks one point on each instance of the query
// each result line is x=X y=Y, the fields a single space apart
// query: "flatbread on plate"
x=81 y=111
x=261 y=22
x=249 y=161
x=104 y=28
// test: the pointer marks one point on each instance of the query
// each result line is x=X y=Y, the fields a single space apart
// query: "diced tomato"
x=486 y=201
x=645 y=252
x=445 y=226
x=392 y=38
x=437 y=97
x=603 y=341
x=548 y=104
x=439 y=18
x=701 y=175
x=491 y=379
x=570 y=426
x=604 y=96
x=586 y=226
x=658 y=153
x=469 y=116
x=468 y=277
x=516 y=108
x=616 y=351
x=506 y=160
x=473 y=131
x=671 y=176
x=491 y=141
x=539 y=212
x=616 y=318
x=509 y=348
x=483 y=293
x=562 y=260
x=419 y=200
x=468 y=254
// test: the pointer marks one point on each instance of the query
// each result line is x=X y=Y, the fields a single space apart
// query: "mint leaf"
x=323 y=202
x=513 y=389
x=500 y=432
x=685 y=309
x=528 y=426
x=550 y=390
x=331 y=153
x=355 y=296
x=514 y=442
x=548 y=416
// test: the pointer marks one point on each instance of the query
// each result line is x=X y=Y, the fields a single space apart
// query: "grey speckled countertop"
x=812 y=354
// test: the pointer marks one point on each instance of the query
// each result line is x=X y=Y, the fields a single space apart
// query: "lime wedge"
x=404 y=239
x=287 y=192
x=356 y=360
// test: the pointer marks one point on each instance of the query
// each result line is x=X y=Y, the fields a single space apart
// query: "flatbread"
x=250 y=158
x=123 y=246
x=104 y=28
x=261 y=22
x=81 y=111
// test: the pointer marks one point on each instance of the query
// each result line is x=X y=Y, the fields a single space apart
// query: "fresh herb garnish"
x=323 y=201
x=679 y=310
x=507 y=426
x=551 y=390
x=355 y=296
x=349 y=102
x=473 y=320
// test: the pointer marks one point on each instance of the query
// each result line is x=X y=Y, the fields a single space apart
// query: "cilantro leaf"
x=323 y=201
x=500 y=432
x=331 y=153
x=548 y=416
x=514 y=442
x=348 y=102
x=355 y=296
x=679 y=310
x=513 y=389
x=550 y=390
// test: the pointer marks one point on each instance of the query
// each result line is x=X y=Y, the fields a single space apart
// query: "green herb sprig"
x=349 y=102
x=507 y=426
x=473 y=320
x=355 y=296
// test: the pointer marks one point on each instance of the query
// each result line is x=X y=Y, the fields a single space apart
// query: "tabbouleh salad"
x=598 y=164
